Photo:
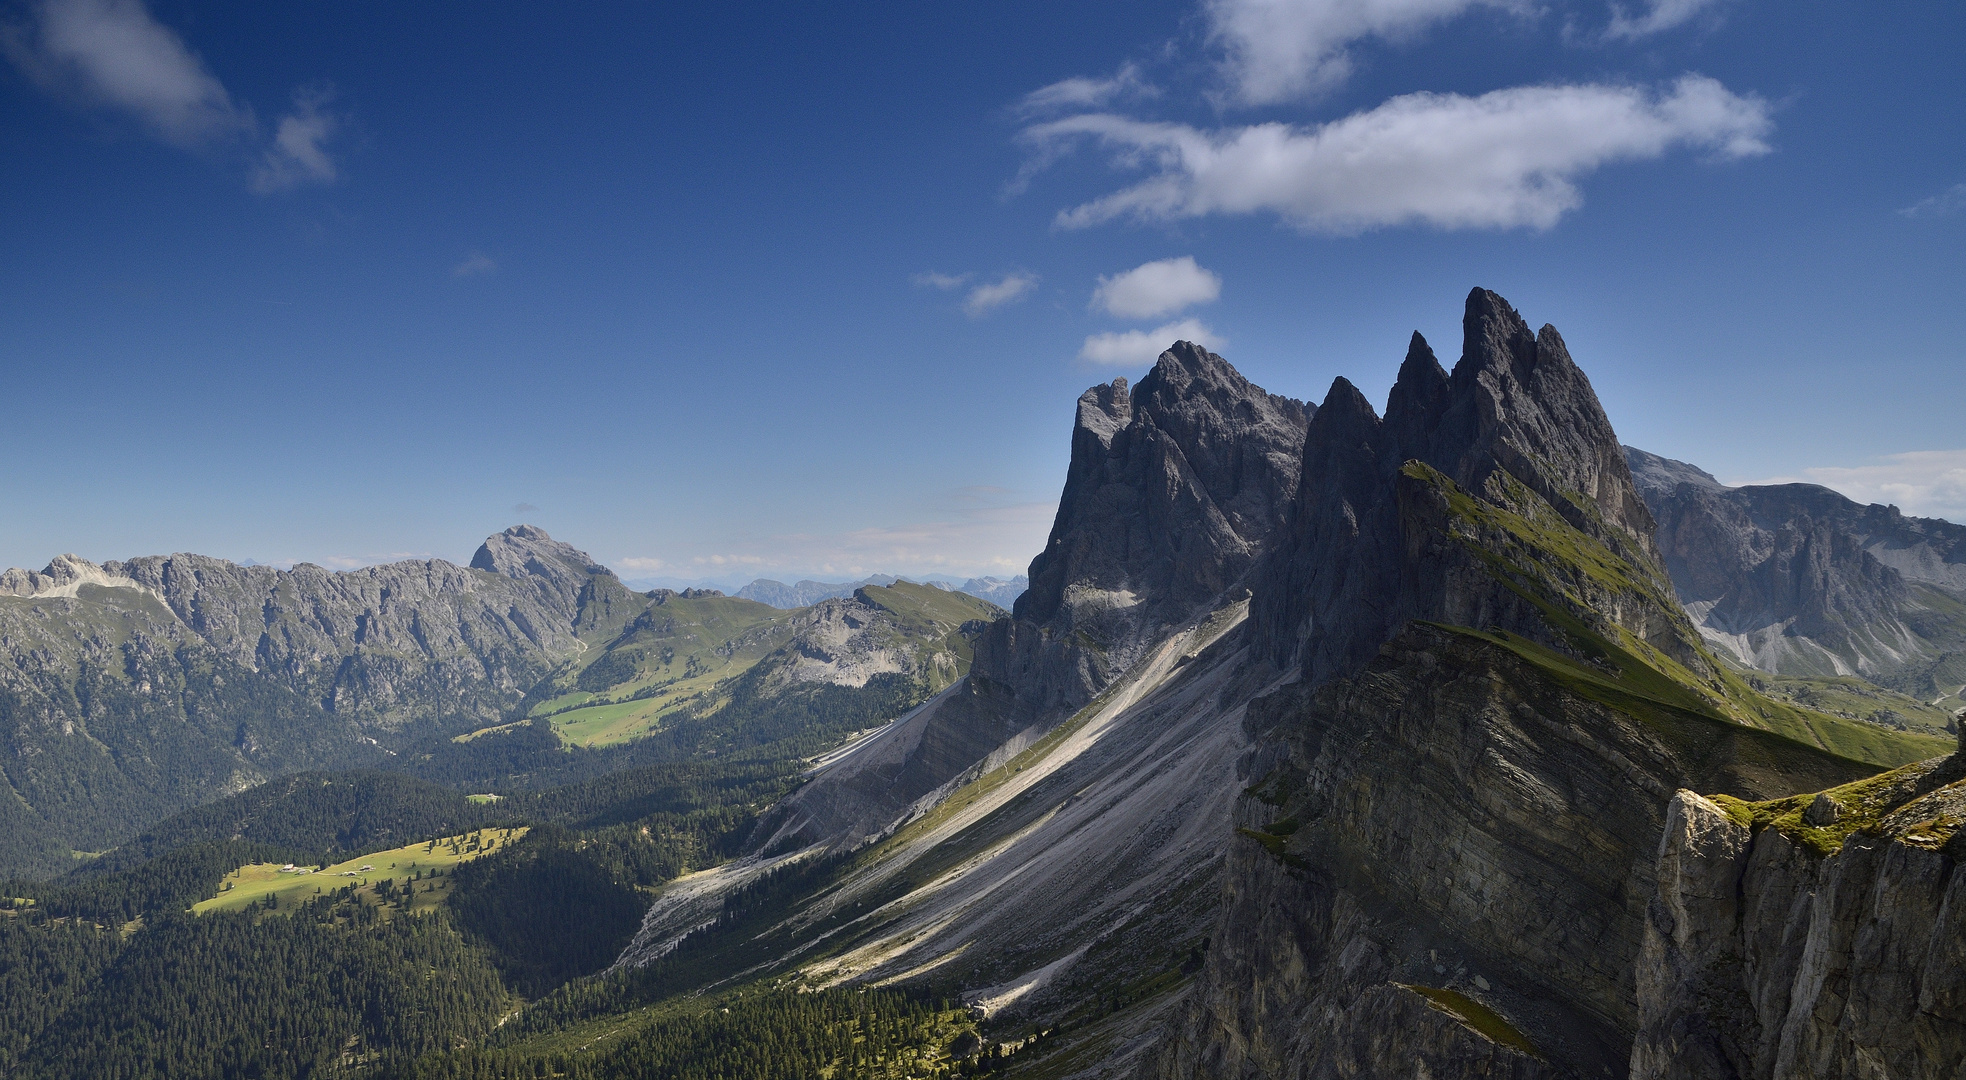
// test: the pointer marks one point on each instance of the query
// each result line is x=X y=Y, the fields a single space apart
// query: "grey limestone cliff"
x=1819 y=936
x=1444 y=856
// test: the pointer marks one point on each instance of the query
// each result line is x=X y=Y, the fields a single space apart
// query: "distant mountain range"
x=1002 y=592
x=1458 y=741
x=134 y=689
x=1796 y=579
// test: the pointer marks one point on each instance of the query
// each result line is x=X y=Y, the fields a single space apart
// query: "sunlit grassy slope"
x=1566 y=573
x=410 y=864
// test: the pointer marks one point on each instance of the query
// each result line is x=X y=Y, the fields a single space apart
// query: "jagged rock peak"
x=1174 y=489
x=1516 y=401
x=516 y=553
x=1171 y=486
x=1104 y=410
x=1515 y=410
x=64 y=575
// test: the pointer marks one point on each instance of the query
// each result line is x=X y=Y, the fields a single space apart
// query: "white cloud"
x=1082 y=93
x=476 y=263
x=1139 y=347
x=1156 y=288
x=984 y=298
x=1922 y=483
x=114 y=53
x=1656 y=16
x=929 y=279
x=640 y=564
x=299 y=153
x=1505 y=159
x=1277 y=50
x=1950 y=201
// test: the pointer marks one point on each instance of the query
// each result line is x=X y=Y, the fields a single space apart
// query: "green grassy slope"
x=1572 y=578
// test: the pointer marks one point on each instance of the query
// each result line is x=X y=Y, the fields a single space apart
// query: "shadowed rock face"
x=1798 y=580
x=1174 y=491
x=1429 y=779
x=1517 y=413
x=1438 y=807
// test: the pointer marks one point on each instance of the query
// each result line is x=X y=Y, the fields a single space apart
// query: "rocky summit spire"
x=1515 y=423
x=1172 y=492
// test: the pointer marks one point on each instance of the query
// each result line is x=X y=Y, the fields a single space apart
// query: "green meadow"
x=417 y=867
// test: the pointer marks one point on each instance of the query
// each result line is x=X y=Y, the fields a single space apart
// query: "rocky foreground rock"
x=1820 y=936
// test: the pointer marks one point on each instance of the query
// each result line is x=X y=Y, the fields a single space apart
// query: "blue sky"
x=795 y=291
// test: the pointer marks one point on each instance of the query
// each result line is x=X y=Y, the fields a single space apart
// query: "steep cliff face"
x=1816 y=936
x=1453 y=813
x=1368 y=783
x=1452 y=829
x=1798 y=580
x=135 y=688
x=1175 y=490
x=1516 y=426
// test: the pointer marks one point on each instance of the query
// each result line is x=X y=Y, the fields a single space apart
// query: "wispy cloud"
x=929 y=279
x=298 y=154
x=990 y=296
x=1654 y=17
x=1156 y=288
x=1506 y=159
x=475 y=264
x=1922 y=483
x=1279 y=50
x=525 y=508
x=114 y=53
x=1069 y=95
x=1139 y=347
x=640 y=564
x=1948 y=202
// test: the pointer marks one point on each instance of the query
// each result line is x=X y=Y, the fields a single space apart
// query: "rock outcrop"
x=1174 y=490
x=1796 y=579
x=1517 y=426
x=1322 y=745
x=1785 y=941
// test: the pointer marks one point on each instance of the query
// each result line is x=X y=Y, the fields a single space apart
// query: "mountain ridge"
x=1796 y=579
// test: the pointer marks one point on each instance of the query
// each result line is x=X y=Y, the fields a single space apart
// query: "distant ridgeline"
x=1322 y=743
x=1002 y=592
x=133 y=689
x=1796 y=580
